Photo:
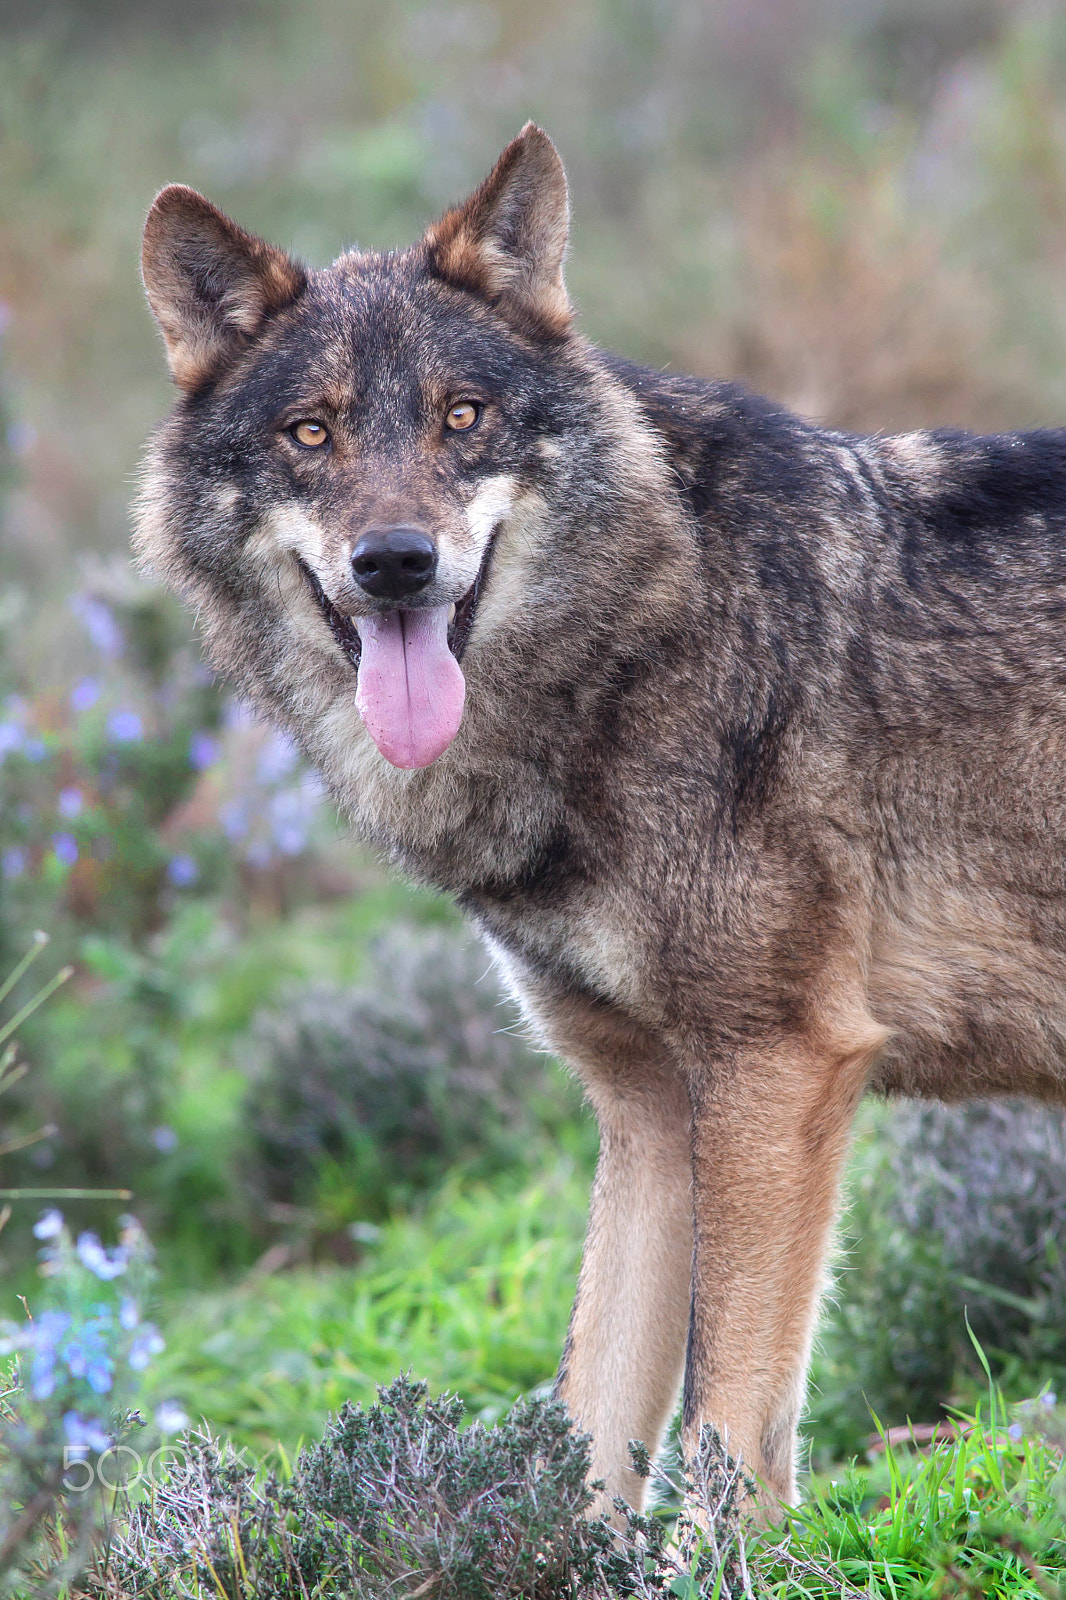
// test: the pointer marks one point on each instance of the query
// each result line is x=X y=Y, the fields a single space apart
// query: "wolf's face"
x=353 y=441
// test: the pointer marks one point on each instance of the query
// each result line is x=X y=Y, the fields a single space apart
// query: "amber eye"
x=462 y=415
x=312 y=435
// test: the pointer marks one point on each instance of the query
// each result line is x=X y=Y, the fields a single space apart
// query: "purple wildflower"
x=69 y=802
x=182 y=871
x=11 y=737
x=277 y=758
x=100 y=624
x=84 y=694
x=87 y=1355
x=234 y=819
x=147 y=1342
x=289 y=816
x=288 y=819
x=46 y=1334
x=66 y=848
x=49 y=1224
x=291 y=838
x=125 y=726
x=203 y=751
x=85 y=1433
x=105 y=1264
x=170 y=1418
x=13 y=862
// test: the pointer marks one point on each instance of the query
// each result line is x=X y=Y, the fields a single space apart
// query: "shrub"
x=393 y=1499
x=989 y=1180
x=956 y=1214
x=66 y=1407
x=399 y=1499
x=370 y=1096
x=133 y=785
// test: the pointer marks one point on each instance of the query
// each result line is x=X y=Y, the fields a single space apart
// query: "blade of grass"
x=39 y=941
x=38 y=1000
x=24 y=1140
x=66 y=1194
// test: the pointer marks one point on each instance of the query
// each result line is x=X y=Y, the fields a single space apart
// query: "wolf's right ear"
x=508 y=240
x=210 y=285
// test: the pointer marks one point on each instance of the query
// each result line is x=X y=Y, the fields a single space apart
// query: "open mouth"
x=410 y=688
x=344 y=629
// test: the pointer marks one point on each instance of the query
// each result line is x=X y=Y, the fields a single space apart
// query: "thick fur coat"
x=757 y=790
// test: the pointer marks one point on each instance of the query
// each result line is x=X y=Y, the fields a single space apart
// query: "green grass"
x=979 y=1515
x=472 y=1294
x=159 y=1046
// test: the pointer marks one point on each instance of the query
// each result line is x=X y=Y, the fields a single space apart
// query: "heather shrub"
x=400 y=1499
x=358 y=1099
x=394 y=1499
x=956 y=1215
x=988 y=1180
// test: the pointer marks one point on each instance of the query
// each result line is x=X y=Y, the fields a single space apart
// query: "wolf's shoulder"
x=719 y=412
x=737 y=453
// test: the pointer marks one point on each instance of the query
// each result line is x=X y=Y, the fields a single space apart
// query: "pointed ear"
x=210 y=285
x=508 y=240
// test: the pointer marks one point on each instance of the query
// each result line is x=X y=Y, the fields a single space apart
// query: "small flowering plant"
x=93 y=766
x=77 y=1365
x=126 y=787
x=79 y=1360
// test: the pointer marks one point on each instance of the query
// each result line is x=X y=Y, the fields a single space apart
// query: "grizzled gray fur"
x=740 y=740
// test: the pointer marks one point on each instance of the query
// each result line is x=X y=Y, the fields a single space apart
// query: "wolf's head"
x=374 y=423
x=398 y=464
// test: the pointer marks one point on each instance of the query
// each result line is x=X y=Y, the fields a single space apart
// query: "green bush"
x=395 y=1499
x=956 y=1216
x=358 y=1100
x=988 y=1180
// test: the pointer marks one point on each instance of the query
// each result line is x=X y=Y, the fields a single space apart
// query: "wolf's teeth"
x=451 y=612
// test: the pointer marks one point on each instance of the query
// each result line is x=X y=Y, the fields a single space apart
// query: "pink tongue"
x=410 y=692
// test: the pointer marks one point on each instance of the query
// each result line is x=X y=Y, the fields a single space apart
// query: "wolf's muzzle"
x=394 y=563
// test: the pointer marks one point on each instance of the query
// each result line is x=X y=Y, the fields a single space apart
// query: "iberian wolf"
x=740 y=740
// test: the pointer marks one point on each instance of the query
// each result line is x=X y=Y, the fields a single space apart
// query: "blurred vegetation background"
x=349 y=1161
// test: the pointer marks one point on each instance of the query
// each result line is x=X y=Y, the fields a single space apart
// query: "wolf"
x=740 y=740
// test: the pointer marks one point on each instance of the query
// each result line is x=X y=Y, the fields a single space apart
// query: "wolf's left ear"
x=210 y=285
x=508 y=240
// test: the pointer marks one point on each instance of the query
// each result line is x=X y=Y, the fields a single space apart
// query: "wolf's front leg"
x=621 y=1368
x=770 y=1136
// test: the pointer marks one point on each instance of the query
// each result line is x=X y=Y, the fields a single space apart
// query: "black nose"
x=393 y=563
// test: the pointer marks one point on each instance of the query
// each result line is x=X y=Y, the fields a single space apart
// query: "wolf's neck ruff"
x=411 y=688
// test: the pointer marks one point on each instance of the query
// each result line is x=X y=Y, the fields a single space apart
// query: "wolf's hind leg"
x=621 y=1368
